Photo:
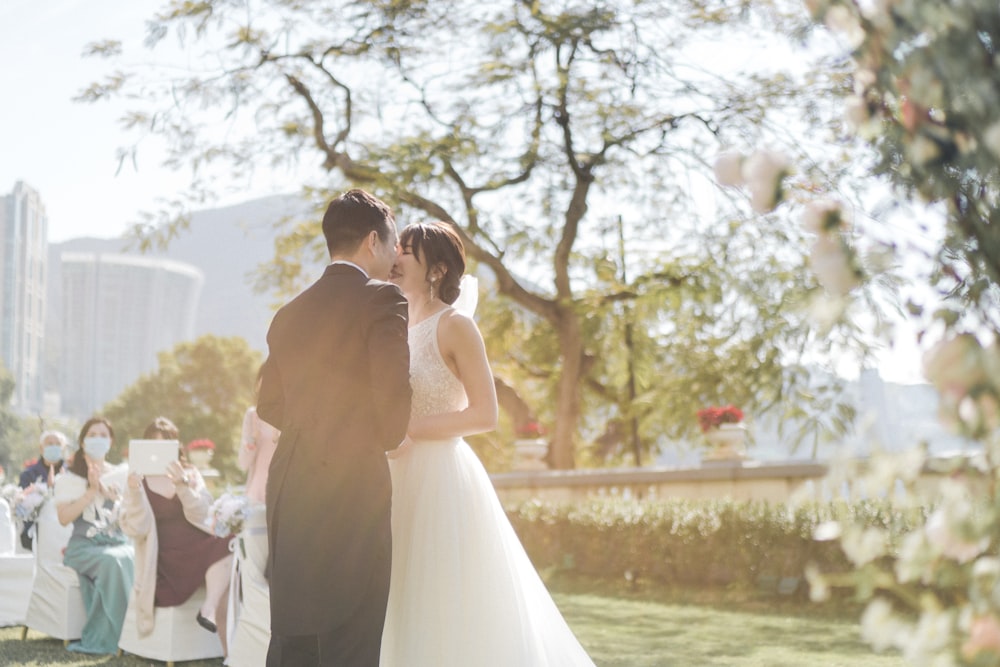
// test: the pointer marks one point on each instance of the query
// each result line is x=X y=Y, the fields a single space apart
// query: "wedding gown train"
x=463 y=591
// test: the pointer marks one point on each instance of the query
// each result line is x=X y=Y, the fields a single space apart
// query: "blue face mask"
x=52 y=453
x=96 y=447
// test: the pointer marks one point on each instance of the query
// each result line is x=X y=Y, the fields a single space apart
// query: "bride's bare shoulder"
x=458 y=329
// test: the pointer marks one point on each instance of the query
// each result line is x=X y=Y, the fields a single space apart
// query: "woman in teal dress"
x=88 y=496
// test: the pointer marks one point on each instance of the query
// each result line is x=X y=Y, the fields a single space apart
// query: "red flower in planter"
x=531 y=429
x=201 y=444
x=713 y=417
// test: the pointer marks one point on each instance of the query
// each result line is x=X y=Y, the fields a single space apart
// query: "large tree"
x=530 y=126
x=204 y=387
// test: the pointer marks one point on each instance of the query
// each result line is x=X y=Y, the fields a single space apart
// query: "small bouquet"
x=104 y=513
x=713 y=417
x=10 y=493
x=227 y=514
x=104 y=520
x=28 y=504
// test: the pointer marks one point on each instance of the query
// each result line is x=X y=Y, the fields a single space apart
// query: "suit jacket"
x=336 y=384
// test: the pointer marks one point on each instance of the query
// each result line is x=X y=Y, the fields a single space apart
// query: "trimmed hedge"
x=689 y=542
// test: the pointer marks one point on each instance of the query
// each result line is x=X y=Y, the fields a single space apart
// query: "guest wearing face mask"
x=50 y=460
x=51 y=448
x=89 y=496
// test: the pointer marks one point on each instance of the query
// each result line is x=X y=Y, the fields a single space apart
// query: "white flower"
x=863 y=80
x=923 y=150
x=819 y=589
x=877 y=12
x=955 y=365
x=823 y=215
x=832 y=265
x=227 y=514
x=840 y=19
x=826 y=531
x=856 y=112
x=987 y=566
x=931 y=637
x=763 y=172
x=910 y=463
x=879 y=625
x=28 y=504
x=914 y=558
x=864 y=546
x=948 y=542
x=991 y=137
x=728 y=168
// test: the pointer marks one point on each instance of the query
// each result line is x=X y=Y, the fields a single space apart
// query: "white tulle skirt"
x=463 y=591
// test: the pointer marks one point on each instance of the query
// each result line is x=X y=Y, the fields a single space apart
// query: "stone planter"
x=727 y=442
x=529 y=454
x=200 y=458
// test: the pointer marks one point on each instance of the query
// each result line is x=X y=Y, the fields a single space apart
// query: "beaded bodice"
x=435 y=388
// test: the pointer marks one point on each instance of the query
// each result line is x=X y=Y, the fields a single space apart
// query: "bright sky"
x=63 y=149
x=67 y=151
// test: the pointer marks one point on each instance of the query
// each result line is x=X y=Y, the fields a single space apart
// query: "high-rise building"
x=23 y=245
x=118 y=312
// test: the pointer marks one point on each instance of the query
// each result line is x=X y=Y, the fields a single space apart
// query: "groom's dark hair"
x=353 y=216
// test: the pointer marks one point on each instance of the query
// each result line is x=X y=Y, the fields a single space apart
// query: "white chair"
x=176 y=635
x=56 y=606
x=17 y=570
x=8 y=529
x=250 y=605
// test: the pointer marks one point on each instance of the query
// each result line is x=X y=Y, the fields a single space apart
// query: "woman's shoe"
x=205 y=623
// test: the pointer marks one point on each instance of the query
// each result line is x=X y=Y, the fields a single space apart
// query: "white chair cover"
x=8 y=529
x=250 y=628
x=176 y=635
x=17 y=570
x=56 y=606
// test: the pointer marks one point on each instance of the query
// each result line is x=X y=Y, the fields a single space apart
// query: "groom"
x=336 y=383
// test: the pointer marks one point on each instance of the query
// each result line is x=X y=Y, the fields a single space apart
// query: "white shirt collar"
x=344 y=261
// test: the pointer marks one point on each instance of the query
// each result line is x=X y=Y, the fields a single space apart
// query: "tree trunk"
x=562 y=447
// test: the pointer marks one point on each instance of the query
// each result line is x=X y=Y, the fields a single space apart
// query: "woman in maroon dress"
x=175 y=552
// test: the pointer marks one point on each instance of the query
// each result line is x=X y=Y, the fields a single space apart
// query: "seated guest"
x=8 y=527
x=175 y=551
x=257 y=445
x=51 y=448
x=88 y=496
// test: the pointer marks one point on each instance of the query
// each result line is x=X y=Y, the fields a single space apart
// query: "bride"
x=463 y=592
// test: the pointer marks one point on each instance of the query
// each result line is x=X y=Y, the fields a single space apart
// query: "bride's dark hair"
x=437 y=243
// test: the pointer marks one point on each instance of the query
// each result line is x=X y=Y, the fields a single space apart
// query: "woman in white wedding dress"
x=463 y=592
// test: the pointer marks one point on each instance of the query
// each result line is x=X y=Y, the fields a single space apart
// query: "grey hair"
x=59 y=435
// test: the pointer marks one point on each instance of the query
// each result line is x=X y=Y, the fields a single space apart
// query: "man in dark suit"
x=336 y=383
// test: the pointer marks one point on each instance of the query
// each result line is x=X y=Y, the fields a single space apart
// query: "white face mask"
x=96 y=447
x=52 y=453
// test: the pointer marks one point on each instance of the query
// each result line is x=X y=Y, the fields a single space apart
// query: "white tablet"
x=150 y=457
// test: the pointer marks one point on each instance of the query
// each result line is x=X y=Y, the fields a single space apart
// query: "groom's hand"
x=401 y=450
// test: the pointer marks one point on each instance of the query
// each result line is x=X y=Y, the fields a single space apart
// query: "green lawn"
x=619 y=632
x=635 y=633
